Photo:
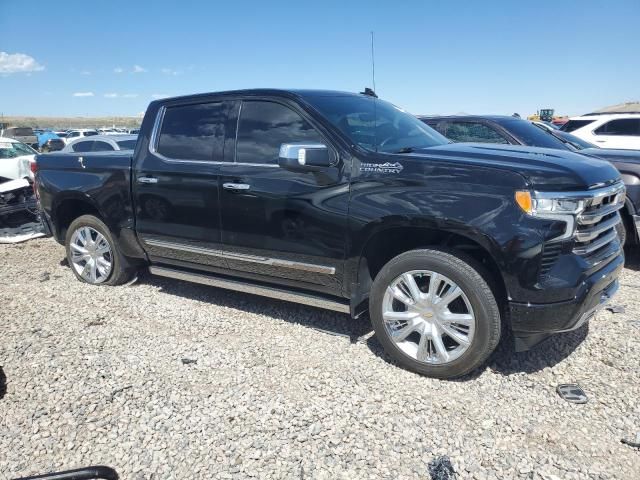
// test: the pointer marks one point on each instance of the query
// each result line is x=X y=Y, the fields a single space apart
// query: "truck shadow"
x=632 y=258
x=326 y=321
x=503 y=361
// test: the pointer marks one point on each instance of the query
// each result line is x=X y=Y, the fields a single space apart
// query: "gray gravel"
x=163 y=379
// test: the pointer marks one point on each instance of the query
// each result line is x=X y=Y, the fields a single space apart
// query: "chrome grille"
x=596 y=225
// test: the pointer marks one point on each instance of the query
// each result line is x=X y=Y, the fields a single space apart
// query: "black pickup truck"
x=344 y=201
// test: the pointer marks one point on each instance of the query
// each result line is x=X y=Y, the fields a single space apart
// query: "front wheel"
x=93 y=255
x=434 y=313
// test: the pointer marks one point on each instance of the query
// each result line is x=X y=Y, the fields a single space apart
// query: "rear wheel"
x=434 y=313
x=93 y=255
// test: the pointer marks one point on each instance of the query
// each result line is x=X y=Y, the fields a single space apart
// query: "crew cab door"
x=176 y=181
x=282 y=225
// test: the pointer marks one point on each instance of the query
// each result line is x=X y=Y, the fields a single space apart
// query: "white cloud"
x=111 y=95
x=83 y=94
x=138 y=69
x=18 y=63
x=118 y=70
x=159 y=95
x=85 y=72
x=130 y=95
x=169 y=71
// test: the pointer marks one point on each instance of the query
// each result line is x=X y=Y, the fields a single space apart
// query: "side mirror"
x=305 y=156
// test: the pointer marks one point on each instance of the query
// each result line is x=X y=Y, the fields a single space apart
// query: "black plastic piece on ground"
x=87 y=473
x=440 y=468
x=572 y=393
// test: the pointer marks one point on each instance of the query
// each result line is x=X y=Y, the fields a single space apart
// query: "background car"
x=102 y=143
x=81 y=132
x=22 y=134
x=49 y=142
x=15 y=159
x=620 y=130
x=513 y=131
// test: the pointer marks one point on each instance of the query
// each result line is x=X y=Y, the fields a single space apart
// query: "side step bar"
x=243 y=286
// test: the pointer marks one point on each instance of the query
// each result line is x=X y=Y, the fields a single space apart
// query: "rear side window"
x=621 y=126
x=82 y=146
x=127 y=144
x=572 y=125
x=473 y=132
x=100 y=146
x=89 y=134
x=264 y=126
x=192 y=132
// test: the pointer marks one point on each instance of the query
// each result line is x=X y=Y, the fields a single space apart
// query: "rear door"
x=618 y=133
x=176 y=184
x=280 y=225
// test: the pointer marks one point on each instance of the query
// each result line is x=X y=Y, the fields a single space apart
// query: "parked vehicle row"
x=346 y=202
x=505 y=130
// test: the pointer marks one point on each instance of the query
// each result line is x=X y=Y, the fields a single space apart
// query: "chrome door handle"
x=147 y=180
x=236 y=186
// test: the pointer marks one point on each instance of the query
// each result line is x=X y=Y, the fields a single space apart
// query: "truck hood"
x=544 y=168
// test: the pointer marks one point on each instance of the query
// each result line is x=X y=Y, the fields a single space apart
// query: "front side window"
x=473 y=132
x=193 y=132
x=82 y=146
x=621 y=126
x=264 y=126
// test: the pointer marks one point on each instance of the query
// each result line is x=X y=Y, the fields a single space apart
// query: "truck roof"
x=291 y=93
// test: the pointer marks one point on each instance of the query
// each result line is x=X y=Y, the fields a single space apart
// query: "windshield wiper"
x=406 y=150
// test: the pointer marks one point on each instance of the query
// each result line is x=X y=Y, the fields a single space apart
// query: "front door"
x=280 y=225
x=176 y=185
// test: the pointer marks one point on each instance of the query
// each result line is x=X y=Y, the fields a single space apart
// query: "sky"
x=431 y=57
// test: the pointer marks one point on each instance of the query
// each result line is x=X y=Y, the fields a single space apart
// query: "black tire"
x=621 y=228
x=467 y=274
x=122 y=270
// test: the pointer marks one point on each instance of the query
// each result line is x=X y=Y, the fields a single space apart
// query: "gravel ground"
x=164 y=379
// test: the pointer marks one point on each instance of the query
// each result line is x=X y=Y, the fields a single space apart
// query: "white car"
x=79 y=133
x=616 y=130
x=101 y=143
x=15 y=160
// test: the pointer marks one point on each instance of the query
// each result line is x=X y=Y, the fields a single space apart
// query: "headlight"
x=553 y=206
x=548 y=204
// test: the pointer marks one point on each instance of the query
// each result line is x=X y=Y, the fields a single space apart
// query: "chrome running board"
x=246 y=287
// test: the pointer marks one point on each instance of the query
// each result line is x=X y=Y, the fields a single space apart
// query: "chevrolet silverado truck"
x=346 y=202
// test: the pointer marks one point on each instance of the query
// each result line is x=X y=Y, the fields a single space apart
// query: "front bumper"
x=532 y=323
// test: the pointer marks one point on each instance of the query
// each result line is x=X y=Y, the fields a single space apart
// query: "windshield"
x=532 y=135
x=577 y=142
x=375 y=124
x=14 y=149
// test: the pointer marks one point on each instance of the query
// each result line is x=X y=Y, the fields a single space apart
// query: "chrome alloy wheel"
x=428 y=317
x=91 y=255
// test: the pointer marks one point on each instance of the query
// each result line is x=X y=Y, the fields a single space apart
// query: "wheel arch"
x=70 y=206
x=386 y=243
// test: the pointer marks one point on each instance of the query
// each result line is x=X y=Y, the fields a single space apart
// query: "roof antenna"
x=368 y=91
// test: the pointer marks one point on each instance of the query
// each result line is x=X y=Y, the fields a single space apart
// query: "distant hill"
x=71 y=122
